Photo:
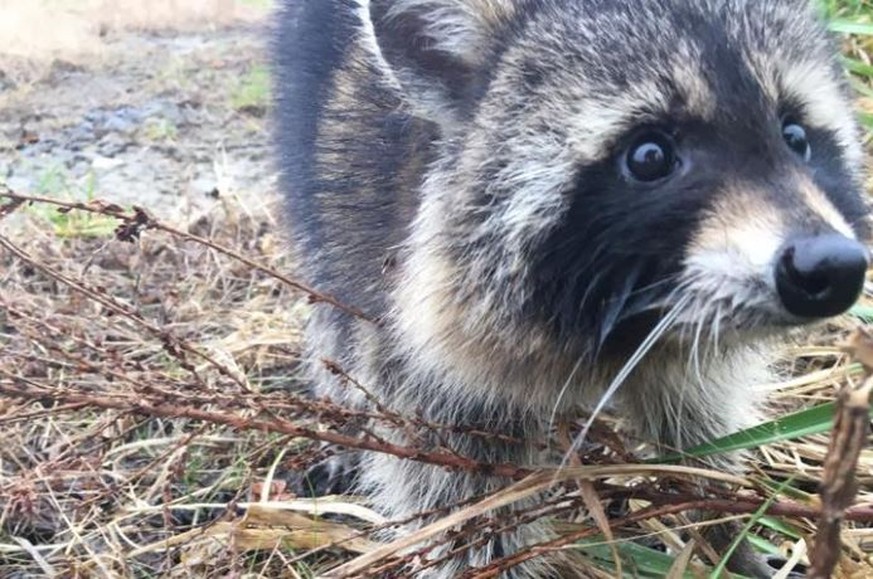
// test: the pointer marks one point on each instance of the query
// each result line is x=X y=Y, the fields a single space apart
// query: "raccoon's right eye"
x=651 y=157
x=796 y=138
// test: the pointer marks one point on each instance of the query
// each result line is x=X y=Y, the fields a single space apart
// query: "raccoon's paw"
x=746 y=560
x=776 y=562
x=335 y=475
x=762 y=566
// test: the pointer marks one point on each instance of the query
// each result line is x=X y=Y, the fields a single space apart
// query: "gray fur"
x=430 y=150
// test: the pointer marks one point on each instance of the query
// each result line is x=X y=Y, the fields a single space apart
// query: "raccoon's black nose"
x=820 y=276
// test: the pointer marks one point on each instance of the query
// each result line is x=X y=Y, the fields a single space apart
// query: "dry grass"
x=151 y=422
x=81 y=489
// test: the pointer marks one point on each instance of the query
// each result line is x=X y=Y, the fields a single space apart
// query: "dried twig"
x=839 y=484
x=137 y=220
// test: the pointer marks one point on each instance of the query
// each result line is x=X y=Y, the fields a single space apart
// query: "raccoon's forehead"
x=597 y=69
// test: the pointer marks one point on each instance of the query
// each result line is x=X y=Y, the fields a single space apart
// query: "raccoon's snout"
x=820 y=276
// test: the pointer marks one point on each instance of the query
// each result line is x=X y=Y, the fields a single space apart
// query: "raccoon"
x=555 y=204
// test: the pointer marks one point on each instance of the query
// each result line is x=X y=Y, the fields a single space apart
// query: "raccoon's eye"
x=651 y=157
x=796 y=139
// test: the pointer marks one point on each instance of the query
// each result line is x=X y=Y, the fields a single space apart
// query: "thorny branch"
x=12 y=385
x=177 y=407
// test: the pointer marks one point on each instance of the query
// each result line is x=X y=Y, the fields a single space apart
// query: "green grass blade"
x=850 y=27
x=780 y=526
x=864 y=313
x=856 y=66
x=806 y=422
x=641 y=561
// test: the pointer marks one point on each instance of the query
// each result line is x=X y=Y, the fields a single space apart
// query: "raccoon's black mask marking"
x=614 y=263
x=617 y=253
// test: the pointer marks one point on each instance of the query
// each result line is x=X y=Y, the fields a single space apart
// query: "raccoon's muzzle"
x=820 y=276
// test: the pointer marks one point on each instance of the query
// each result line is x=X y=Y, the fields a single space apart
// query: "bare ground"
x=145 y=110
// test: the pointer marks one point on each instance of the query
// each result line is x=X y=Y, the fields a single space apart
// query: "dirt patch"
x=118 y=106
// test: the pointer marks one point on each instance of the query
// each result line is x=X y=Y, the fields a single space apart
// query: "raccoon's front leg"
x=332 y=343
x=745 y=560
x=403 y=488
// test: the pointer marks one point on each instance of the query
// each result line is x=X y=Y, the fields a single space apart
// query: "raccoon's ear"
x=435 y=49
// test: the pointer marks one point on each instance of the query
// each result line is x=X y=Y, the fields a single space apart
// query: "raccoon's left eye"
x=651 y=157
x=796 y=139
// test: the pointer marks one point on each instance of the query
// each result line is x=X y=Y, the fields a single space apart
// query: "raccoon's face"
x=607 y=162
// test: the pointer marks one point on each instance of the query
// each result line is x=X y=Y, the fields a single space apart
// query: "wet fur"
x=450 y=169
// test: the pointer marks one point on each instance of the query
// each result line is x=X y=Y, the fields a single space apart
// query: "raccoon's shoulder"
x=350 y=158
x=309 y=46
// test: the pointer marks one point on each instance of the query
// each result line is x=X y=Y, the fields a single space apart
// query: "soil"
x=169 y=121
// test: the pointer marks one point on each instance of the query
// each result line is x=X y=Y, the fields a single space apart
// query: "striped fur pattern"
x=452 y=167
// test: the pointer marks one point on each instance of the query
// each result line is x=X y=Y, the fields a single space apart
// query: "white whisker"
x=695 y=346
x=561 y=394
x=659 y=330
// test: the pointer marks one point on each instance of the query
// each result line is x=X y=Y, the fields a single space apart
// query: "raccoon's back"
x=350 y=159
